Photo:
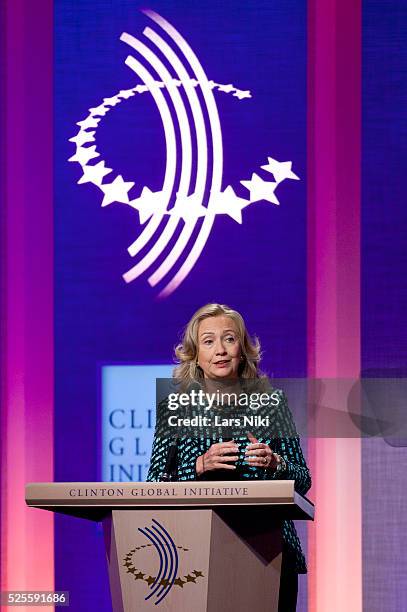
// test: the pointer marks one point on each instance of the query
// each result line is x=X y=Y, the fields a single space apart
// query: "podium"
x=192 y=545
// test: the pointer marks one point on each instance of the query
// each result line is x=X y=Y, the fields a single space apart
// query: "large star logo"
x=177 y=218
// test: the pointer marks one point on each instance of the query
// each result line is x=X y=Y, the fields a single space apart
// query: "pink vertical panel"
x=27 y=360
x=334 y=123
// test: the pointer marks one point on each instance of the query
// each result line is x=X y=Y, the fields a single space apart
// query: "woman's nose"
x=220 y=348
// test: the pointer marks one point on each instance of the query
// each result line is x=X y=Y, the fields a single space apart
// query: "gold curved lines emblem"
x=138 y=574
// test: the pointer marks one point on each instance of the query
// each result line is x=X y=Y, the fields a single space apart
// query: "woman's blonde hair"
x=188 y=371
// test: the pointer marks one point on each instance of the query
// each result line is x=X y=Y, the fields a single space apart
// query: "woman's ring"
x=264 y=460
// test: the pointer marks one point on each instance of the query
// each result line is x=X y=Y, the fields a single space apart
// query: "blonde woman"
x=217 y=351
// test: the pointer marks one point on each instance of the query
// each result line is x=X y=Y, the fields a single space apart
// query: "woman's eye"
x=207 y=342
x=230 y=339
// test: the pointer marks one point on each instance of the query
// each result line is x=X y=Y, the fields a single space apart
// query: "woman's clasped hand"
x=224 y=455
x=219 y=456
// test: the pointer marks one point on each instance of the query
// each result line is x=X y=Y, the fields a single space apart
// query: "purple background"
x=258 y=268
x=384 y=293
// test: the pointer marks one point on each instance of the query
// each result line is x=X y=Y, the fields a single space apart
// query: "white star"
x=94 y=174
x=98 y=110
x=260 y=190
x=242 y=94
x=188 y=208
x=126 y=93
x=280 y=170
x=83 y=155
x=149 y=203
x=118 y=191
x=89 y=122
x=83 y=137
x=111 y=101
x=228 y=203
x=226 y=88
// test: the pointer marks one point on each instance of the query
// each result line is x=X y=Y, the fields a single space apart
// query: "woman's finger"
x=228 y=451
x=223 y=466
x=228 y=458
x=251 y=437
x=228 y=445
x=255 y=459
x=224 y=445
x=256 y=462
x=255 y=453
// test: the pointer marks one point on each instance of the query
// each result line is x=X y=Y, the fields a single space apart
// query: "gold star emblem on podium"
x=197 y=573
x=190 y=578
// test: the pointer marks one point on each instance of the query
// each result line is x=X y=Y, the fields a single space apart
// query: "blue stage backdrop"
x=254 y=256
x=384 y=293
x=128 y=419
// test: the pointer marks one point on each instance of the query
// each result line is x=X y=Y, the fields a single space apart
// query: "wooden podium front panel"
x=245 y=564
x=145 y=540
x=188 y=560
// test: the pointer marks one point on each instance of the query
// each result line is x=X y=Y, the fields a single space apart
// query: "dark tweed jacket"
x=189 y=449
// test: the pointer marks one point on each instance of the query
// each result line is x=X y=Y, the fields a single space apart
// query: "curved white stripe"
x=171 y=148
x=217 y=150
x=193 y=100
x=186 y=151
x=192 y=258
x=154 y=252
x=202 y=150
x=173 y=256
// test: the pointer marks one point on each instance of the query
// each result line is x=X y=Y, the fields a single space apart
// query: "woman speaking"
x=215 y=352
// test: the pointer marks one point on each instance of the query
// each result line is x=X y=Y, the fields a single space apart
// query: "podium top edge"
x=114 y=495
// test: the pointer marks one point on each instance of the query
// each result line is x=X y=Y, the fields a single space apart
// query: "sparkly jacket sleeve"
x=287 y=445
x=161 y=444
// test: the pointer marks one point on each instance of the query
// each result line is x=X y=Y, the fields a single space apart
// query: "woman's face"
x=218 y=348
